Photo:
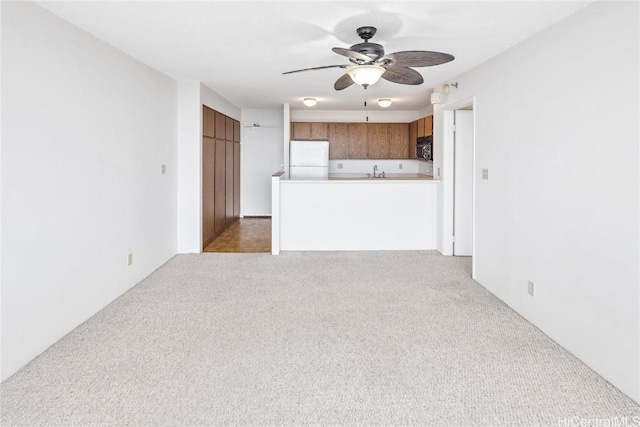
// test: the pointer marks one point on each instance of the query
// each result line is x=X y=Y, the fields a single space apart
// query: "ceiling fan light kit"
x=366 y=75
x=309 y=102
x=370 y=63
x=384 y=102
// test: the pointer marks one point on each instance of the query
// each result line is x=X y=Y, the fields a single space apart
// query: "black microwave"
x=424 y=148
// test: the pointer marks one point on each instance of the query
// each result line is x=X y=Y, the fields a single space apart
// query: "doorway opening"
x=458 y=180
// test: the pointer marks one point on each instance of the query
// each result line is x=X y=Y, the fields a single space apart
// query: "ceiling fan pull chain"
x=366 y=110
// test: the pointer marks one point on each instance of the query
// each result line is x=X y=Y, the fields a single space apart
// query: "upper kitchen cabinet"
x=236 y=131
x=221 y=121
x=357 y=141
x=428 y=126
x=377 y=141
x=398 y=134
x=208 y=122
x=425 y=126
x=338 y=140
x=320 y=131
x=413 y=137
x=362 y=140
x=302 y=130
x=228 y=129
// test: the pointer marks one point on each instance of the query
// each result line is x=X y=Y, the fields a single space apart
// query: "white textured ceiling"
x=241 y=48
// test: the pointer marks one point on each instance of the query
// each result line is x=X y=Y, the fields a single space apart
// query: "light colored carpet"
x=378 y=338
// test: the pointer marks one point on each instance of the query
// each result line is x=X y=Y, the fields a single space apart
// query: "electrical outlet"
x=130 y=258
x=339 y=165
x=163 y=169
x=438 y=171
x=400 y=166
x=530 y=288
x=485 y=174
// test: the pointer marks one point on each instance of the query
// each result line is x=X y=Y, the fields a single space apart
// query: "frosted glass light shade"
x=365 y=75
x=309 y=102
x=384 y=102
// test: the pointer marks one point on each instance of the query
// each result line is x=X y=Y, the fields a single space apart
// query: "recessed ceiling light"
x=384 y=102
x=309 y=102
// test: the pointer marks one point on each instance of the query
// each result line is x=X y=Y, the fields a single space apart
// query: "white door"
x=263 y=155
x=463 y=184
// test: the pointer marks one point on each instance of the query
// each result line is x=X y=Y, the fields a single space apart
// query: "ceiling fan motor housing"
x=372 y=50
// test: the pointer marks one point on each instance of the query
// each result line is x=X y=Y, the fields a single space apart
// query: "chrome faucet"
x=375 y=169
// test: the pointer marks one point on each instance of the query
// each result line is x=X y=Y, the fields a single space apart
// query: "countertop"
x=388 y=177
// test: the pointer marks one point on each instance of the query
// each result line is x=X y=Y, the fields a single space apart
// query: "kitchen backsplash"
x=388 y=166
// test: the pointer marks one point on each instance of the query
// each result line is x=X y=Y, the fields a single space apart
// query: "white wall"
x=191 y=96
x=85 y=130
x=366 y=166
x=189 y=167
x=557 y=127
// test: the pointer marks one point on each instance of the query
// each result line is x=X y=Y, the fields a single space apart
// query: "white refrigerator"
x=309 y=159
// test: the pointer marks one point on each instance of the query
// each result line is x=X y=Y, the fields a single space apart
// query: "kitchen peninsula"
x=354 y=212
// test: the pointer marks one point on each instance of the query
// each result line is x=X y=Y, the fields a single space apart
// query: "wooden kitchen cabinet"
x=221 y=120
x=236 y=131
x=320 y=131
x=236 y=180
x=220 y=187
x=338 y=140
x=314 y=130
x=208 y=190
x=220 y=173
x=425 y=126
x=208 y=122
x=300 y=130
x=229 y=183
x=357 y=140
x=377 y=141
x=398 y=140
x=413 y=136
x=428 y=126
x=420 y=127
x=361 y=140
x=228 y=129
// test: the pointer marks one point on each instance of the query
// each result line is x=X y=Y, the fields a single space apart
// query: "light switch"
x=164 y=169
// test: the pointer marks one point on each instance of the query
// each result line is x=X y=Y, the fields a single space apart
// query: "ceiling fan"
x=369 y=63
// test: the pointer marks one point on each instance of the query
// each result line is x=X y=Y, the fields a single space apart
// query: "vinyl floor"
x=246 y=235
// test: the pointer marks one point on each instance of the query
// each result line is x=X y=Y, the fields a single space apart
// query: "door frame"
x=448 y=165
